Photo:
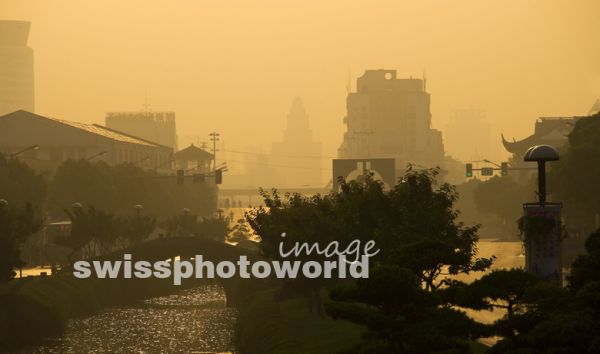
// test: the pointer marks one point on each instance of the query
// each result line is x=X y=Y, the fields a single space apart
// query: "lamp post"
x=15 y=154
x=493 y=163
x=138 y=209
x=541 y=222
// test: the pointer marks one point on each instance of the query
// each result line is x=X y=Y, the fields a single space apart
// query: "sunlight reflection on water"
x=193 y=321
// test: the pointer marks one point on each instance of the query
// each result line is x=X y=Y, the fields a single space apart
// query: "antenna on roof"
x=424 y=80
x=146 y=105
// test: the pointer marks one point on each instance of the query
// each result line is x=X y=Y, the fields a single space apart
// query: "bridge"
x=187 y=247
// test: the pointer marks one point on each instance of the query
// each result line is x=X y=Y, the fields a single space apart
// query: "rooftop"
x=90 y=128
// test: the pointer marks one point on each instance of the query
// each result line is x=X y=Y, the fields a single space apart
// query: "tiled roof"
x=90 y=128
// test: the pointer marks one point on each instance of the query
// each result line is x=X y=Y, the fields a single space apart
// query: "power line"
x=277 y=155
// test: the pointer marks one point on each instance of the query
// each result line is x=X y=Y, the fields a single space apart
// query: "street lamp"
x=493 y=163
x=101 y=153
x=138 y=209
x=541 y=154
x=76 y=206
x=3 y=203
x=15 y=154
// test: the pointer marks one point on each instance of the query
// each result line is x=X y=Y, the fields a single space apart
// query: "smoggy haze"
x=235 y=66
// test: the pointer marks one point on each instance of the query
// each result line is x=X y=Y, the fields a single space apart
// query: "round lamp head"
x=541 y=153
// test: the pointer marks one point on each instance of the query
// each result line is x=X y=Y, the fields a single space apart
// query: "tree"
x=16 y=224
x=414 y=226
x=574 y=179
x=135 y=229
x=586 y=268
x=239 y=231
x=92 y=231
x=541 y=317
x=117 y=188
x=20 y=185
x=400 y=315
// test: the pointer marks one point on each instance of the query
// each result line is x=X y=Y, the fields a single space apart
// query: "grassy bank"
x=267 y=326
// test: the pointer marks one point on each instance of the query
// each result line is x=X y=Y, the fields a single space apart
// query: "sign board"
x=383 y=169
x=487 y=171
x=543 y=251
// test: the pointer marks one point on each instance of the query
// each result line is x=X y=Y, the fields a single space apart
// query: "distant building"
x=59 y=140
x=551 y=131
x=154 y=126
x=16 y=68
x=391 y=117
x=298 y=157
x=193 y=159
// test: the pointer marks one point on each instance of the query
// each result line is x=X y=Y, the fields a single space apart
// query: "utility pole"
x=214 y=137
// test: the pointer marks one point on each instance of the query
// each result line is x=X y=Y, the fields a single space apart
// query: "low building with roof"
x=552 y=131
x=193 y=158
x=58 y=140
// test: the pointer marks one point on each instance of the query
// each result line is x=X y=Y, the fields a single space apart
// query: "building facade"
x=159 y=127
x=59 y=140
x=553 y=131
x=391 y=117
x=16 y=68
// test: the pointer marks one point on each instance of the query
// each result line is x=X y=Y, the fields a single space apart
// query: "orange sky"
x=234 y=66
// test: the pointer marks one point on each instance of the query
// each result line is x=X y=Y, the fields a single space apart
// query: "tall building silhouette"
x=16 y=68
x=298 y=157
x=389 y=117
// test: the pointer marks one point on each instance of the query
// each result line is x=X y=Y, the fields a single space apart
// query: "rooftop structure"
x=59 y=140
x=154 y=126
x=16 y=67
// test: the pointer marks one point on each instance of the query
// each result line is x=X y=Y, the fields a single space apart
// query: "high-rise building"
x=158 y=127
x=298 y=156
x=16 y=68
x=390 y=117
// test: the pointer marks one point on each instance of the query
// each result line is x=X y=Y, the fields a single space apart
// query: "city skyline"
x=183 y=60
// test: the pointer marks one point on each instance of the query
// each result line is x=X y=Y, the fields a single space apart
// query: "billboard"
x=383 y=169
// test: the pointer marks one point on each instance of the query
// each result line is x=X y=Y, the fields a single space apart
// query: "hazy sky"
x=235 y=66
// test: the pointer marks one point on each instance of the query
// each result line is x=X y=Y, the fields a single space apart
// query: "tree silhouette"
x=16 y=224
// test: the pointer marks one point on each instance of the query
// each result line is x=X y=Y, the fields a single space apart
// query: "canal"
x=197 y=320
x=191 y=321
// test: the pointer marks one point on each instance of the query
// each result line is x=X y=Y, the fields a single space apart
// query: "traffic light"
x=504 y=169
x=469 y=170
x=218 y=176
x=487 y=171
x=179 y=176
x=199 y=178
